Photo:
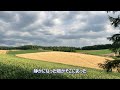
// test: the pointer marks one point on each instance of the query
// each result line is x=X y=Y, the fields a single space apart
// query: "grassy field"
x=92 y=52
x=95 y=52
x=12 y=67
x=25 y=51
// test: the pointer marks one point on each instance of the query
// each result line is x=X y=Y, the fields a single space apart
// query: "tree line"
x=61 y=48
x=35 y=47
x=56 y=48
x=97 y=47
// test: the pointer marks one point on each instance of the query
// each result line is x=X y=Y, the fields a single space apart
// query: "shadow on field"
x=16 y=72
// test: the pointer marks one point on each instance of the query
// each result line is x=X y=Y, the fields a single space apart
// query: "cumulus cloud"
x=55 y=28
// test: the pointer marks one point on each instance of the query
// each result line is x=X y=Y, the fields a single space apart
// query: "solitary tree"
x=115 y=21
x=116 y=43
x=115 y=38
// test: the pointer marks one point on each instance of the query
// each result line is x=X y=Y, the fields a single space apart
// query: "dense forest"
x=97 y=47
x=35 y=47
x=57 y=48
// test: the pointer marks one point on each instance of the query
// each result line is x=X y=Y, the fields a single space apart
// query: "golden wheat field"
x=3 y=51
x=75 y=59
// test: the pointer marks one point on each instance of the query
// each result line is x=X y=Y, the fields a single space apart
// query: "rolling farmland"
x=75 y=59
x=59 y=45
x=14 y=67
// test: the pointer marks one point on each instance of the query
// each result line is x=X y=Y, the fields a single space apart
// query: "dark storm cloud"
x=54 y=27
x=97 y=23
x=48 y=23
x=24 y=20
x=90 y=35
x=11 y=42
x=7 y=16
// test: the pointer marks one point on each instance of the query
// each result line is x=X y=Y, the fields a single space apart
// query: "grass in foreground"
x=12 y=67
x=95 y=52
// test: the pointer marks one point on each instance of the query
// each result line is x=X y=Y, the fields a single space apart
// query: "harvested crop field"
x=3 y=51
x=75 y=59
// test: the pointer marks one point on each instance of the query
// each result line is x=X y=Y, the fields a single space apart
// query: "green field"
x=95 y=52
x=25 y=51
x=12 y=67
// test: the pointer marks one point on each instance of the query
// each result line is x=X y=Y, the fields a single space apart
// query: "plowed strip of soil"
x=75 y=59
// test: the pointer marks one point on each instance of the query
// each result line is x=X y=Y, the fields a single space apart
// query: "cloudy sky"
x=55 y=28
